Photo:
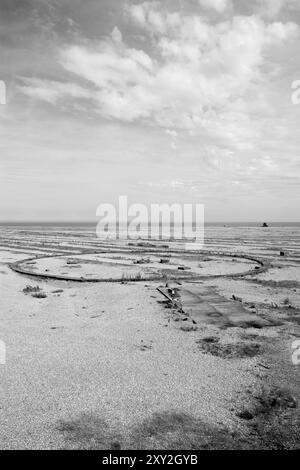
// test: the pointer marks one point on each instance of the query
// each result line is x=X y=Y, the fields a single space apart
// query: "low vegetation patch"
x=72 y=261
x=273 y=419
x=237 y=350
x=277 y=397
x=268 y=400
x=142 y=261
x=34 y=291
x=187 y=327
x=31 y=289
x=39 y=295
x=132 y=277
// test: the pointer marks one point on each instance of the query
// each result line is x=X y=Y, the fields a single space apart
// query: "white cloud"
x=198 y=97
x=218 y=5
x=52 y=91
x=149 y=15
x=272 y=8
x=172 y=133
x=116 y=35
x=199 y=76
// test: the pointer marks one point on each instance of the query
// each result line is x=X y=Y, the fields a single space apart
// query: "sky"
x=171 y=101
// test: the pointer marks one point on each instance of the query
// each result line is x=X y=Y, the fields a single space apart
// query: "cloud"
x=218 y=5
x=194 y=100
x=272 y=8
x=172 y=133
x=198 y=76
x=149 y=15
x=51 y=91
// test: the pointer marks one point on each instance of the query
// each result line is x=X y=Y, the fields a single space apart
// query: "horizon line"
x=77 y=221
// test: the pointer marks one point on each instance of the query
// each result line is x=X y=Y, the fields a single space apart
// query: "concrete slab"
x=205 y=305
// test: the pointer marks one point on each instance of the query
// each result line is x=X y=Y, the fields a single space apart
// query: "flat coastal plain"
x=142 y=344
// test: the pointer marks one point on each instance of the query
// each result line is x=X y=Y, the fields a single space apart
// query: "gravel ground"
x=104 y=351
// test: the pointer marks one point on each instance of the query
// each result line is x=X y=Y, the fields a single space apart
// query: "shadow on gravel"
x=88 y=432
x=270 y=423
x=167 y=430
x=178 y=431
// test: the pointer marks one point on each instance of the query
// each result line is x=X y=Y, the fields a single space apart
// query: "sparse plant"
x=268 y=400
x=31 y=289
x=72 y=261
x=39 y=295
x=187 y=327
x=35 y=291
